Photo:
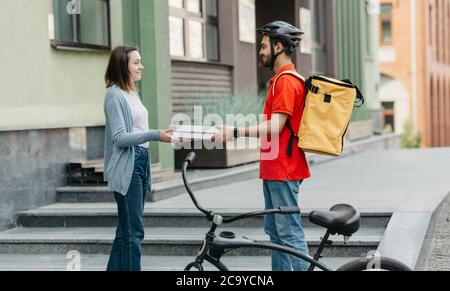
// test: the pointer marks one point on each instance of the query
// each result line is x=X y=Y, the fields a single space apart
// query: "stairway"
x=44 y=236
x=90 y=173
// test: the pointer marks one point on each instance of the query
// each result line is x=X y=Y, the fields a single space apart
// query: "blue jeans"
x=126 y=250
x=284 y=230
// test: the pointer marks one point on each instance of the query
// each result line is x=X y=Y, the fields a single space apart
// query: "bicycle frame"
x=214 y=247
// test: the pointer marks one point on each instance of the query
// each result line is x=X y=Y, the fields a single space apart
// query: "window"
x=388 y=116
x=79 y=24
x=386 y=24
x=194 y=29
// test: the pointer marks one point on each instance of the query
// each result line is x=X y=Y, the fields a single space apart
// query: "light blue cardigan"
x=120 y=141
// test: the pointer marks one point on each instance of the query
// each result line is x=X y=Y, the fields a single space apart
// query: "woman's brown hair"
x=117 y=72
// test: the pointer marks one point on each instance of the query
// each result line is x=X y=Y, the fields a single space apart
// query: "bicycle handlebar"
x=191 y=157
x=281 y=210
x=210 y=214
x=187 y=162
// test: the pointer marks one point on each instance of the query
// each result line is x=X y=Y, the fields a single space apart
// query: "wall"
x=233 y=52
x=396 y=62
x=156 y=88
x=33 y=165
x=146 y=26
x=437 y=70
x=357 y=54
x=51 y=106
x=43 y=87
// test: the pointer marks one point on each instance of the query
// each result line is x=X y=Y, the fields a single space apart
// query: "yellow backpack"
x=328 y=109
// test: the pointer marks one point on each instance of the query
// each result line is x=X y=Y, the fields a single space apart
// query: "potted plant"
x=362 y=124
x=233 y=111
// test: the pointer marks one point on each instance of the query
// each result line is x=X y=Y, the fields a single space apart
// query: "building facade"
x=357 y=46
x=54 y=55
x=434 y=113
x=415 y=65
x=196 y=52
x=396 y=60
x=211 y=57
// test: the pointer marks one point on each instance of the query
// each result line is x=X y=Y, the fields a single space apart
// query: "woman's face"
x=135 y=66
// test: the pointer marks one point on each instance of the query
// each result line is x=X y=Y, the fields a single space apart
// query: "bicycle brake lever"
x=218 y=220
x=346 y=239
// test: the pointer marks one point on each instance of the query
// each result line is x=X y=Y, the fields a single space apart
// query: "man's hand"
x=166 y=136
x=226 y=133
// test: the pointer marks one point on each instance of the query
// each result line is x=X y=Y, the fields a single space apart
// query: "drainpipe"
x=414 y=64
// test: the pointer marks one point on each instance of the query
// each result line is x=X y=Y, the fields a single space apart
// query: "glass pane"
x=386 y=31
x=196 y=39
x=194 y=6
x=94 y=22
x=212 y=42
x=176 y=27
x=63 y=21
x=211 y=8
x=176 y=3
x=386 y=9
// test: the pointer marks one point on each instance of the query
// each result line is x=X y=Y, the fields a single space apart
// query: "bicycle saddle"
x=341 y=219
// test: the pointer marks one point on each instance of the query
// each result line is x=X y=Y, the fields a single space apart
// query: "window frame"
x=388 y=112
x=205 y=20
x=384 y=17
x=80 y=46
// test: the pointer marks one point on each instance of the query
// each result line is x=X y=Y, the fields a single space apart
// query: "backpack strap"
x=293 y=136
x=292 y=73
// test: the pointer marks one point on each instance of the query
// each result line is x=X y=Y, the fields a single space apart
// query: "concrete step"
x=175 y=241
x=162 y=190
x=149 y=263
x=105 y=215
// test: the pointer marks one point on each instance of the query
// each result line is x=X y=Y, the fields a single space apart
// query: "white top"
x=139 y=113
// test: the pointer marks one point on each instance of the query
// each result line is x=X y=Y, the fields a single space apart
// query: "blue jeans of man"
x=283 y=229
x=126 y=250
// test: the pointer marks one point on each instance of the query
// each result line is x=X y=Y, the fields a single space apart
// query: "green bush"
x=241 y=107
x=362 y=113
x=410 y=139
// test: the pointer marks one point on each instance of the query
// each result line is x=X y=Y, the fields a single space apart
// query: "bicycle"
x=342 y=219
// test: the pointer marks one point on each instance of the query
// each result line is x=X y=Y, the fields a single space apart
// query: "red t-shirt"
x=289 y=98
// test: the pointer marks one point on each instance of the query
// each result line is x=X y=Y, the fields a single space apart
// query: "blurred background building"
x=415 y=67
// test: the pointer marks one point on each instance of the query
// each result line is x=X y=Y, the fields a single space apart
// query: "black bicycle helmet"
x=284 y=31
x=280 y=31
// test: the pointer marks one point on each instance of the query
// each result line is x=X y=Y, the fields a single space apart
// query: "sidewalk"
x=409 y=183
x=208 y=178
x=373 y=180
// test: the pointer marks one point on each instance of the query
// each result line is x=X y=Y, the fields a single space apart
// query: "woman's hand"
x=166 y=136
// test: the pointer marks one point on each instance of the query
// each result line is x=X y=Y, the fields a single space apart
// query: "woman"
x=127 y=157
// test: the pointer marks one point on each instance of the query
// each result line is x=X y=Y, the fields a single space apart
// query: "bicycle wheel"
x=374 y=264
x=194 y=265
x=199 y=267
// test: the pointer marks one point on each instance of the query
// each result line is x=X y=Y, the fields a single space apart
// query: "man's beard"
x=266 y=61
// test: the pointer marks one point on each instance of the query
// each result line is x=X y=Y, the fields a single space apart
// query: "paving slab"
x=149 y=263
